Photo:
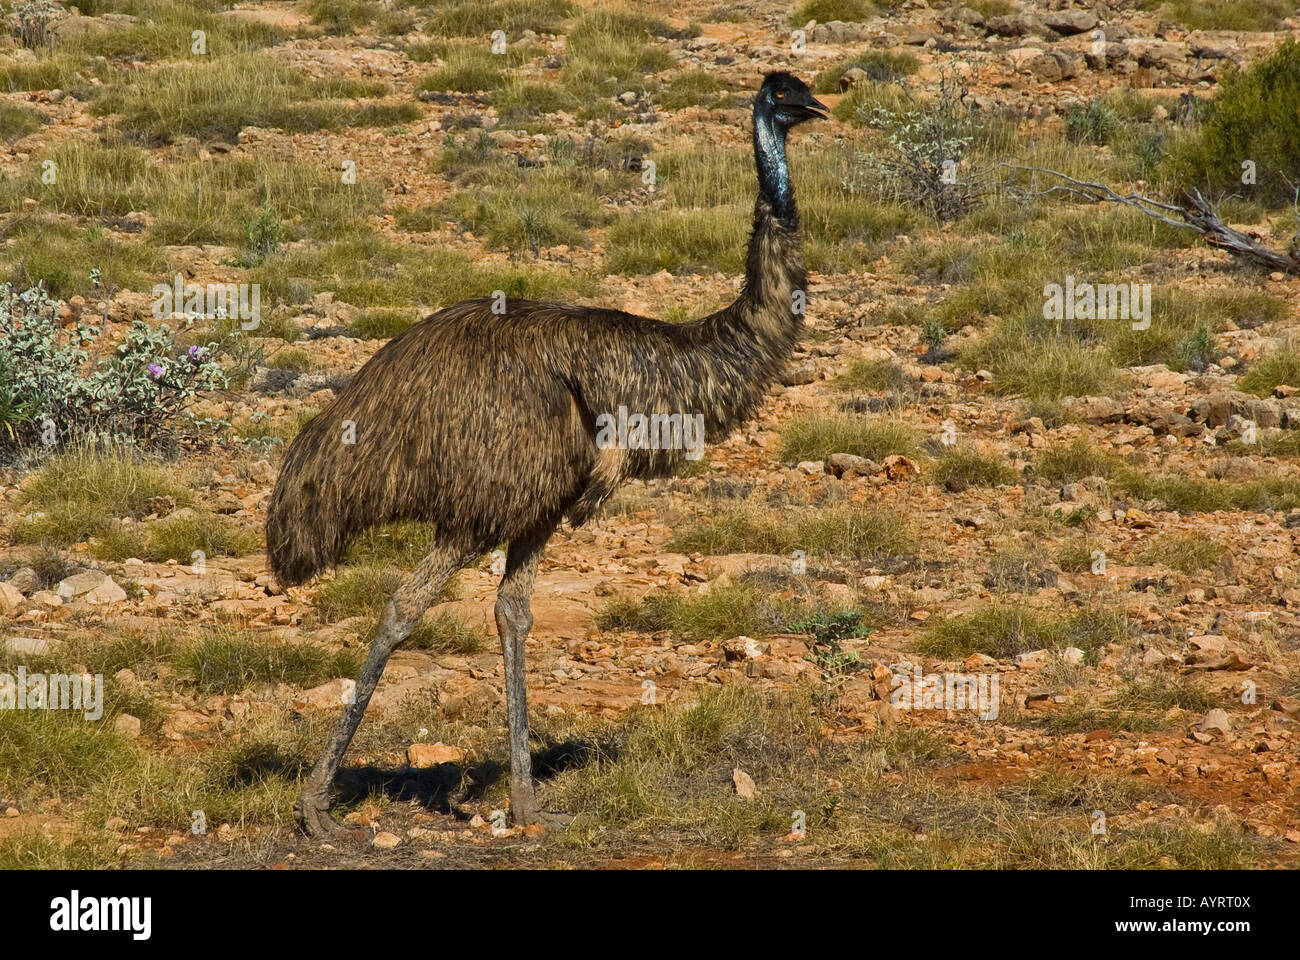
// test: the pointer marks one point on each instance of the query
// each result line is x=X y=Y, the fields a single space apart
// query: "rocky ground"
x=1223 y=759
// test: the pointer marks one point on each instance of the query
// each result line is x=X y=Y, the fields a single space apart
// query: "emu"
x=484 y=424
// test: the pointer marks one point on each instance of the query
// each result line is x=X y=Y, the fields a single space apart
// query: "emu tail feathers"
x=305 y=531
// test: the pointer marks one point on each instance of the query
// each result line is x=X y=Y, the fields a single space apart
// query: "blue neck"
x=773 y=173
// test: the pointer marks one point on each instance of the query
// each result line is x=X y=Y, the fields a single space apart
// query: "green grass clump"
x=1277 y=367
x=109 y=180
x=60 y=751
x=366 y=271
x=1212 y=15
x=32 y=849
x=383 y=323
x=81 y=494
x=217 y=98
x=817 y=437
x=473 y=67
x=63 y=255
x=348 y=16
x=825 y=531
x=723 y=612
x=183 y=537
x=56 y=70
x=364 y=590
x=1043 y=370
x=1004 y=630
x=824 y=11
x=692 y=88
x=959 y=467
x=402 y=544
x=226 y=661
x=881 y=66
x=679 y=241
x=478 y=18
x=1139 y=706
x=1067 y=462
x=17 y=121
x=1094 y=122
x=1187 y=554
x=542 y=211
x=443 y=632
x=1075 y=555
x=877 y=376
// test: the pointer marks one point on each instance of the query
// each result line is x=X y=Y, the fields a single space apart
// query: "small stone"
x=127 y=725
x=385 y=840
x=744 y=648
x=107 y=592
x=1072 y=655
x=1033 y=659
x=25 y=580
x=27 y=646
x=11 y=598
x=744 y=783
x=1216 y=722
x=80 y=584
x=424 y=755
x=846 y=466
x=898 y=467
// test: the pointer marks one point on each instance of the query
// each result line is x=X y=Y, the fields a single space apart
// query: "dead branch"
x=1194 y=213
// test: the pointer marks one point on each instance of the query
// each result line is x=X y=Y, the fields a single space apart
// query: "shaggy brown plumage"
x=485 y=425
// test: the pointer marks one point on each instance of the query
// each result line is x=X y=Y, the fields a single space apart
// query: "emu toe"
x=314 y=818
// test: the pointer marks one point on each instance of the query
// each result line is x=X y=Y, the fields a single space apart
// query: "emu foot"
x=529 y=815
x=312 y=813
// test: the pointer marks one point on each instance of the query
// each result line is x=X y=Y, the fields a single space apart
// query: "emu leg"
x=514 y=619
x=403 y=612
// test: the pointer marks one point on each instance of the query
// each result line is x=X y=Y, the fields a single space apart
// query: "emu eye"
x=780 y=94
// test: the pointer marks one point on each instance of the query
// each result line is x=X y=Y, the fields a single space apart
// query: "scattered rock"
x=11 y=598
x=846 y=466
x=744 y=648
x=1216 y=723
x=423 y=755
x=25 y=580
x=93 y=586
x=1070 y=22
x=744 y=784
x=27 y=646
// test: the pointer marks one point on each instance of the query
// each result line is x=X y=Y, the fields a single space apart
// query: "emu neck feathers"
x=773 y=171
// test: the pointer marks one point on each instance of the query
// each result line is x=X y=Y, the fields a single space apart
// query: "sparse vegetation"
x=817 y=437
x=746 y=619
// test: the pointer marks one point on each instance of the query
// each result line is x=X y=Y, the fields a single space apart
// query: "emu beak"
x=816 y=110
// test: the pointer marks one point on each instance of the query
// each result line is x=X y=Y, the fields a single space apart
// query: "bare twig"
x=1194 y=213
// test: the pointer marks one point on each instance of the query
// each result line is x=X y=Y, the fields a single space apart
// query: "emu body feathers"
x=484 y=424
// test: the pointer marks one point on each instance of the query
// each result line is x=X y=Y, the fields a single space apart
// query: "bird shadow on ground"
x=443 y=788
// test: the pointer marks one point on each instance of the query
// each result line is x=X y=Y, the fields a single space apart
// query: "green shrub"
x=1255 y=117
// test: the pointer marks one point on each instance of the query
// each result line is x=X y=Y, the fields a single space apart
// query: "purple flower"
x=196 y=353
x=155 y=371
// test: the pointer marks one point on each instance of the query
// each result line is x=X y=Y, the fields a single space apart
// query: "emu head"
x=787 y=101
